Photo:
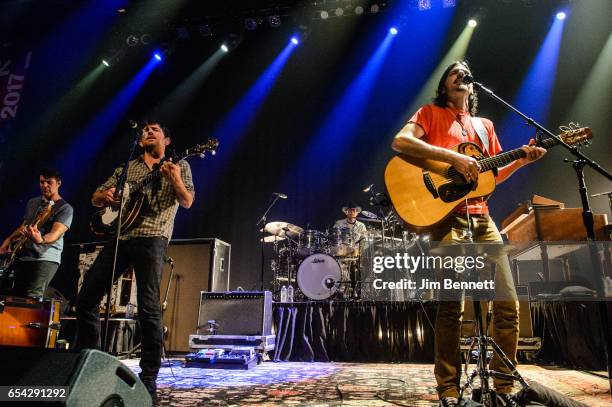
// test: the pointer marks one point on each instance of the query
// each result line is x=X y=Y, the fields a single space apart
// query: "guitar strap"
x=482 y=133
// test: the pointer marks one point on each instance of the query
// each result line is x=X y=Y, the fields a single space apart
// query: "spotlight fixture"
x=132 y=40
x=157 y=56
x=393 y=31
x=294 y=40
x=274 y=21
x=145 y=39
x=324 y=15
x=472 y=23
x=339 y=12
x=424 y=5
x=224 y=48
x=105 y=63
x=561 y=15
x=374 y=8
x=250 y=24
x=359 y=10
x=205 y=30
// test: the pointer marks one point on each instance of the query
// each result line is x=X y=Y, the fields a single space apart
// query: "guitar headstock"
x=201 y=149
x=574 y=135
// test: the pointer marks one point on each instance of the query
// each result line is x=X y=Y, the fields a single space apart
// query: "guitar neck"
x=144 y=181
x=503 y=159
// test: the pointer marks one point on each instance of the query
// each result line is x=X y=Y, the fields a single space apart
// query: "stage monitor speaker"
x=94 y=378
x=525 y=322
x=236 y=313
x=199 y=265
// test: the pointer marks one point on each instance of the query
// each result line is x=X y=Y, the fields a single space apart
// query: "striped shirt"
x=156 y=217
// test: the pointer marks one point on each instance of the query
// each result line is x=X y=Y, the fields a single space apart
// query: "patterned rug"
x=334 y=384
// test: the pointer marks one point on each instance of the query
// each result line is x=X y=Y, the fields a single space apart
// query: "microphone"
x=169 y=260
x=280 y=195
x=133 y=124
x=467 y=79
x=368 y=188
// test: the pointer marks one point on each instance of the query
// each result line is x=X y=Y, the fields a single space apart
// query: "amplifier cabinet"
x=236 y=313
x=199 y=265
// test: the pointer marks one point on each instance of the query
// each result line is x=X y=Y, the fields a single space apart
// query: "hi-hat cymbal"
x=273 y=239
x=283 y=229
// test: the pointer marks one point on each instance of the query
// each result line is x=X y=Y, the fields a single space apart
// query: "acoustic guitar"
x=424 y=192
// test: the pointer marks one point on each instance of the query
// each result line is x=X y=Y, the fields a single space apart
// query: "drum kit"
x=334 y=264
x=319 y=263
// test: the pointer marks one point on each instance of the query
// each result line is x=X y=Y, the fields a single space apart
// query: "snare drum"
x=311 y=242
x=28 y=322
x=319 y=276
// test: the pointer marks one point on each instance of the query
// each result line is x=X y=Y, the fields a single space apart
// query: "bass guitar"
x=104 y=222
x=7 y=260
x=424 y=192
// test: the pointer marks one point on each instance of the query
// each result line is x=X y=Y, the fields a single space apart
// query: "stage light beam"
x=295 y=41
x=105 y=63
x=472 y=23
x=224 y=48
x=157 y=56
x=561 y=15
x=393 y=31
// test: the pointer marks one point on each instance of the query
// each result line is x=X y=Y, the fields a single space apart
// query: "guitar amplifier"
x=236 y=313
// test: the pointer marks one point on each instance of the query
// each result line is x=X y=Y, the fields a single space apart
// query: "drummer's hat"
x=351 y=205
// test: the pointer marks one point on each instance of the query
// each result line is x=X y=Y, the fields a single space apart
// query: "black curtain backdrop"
x=399 y=332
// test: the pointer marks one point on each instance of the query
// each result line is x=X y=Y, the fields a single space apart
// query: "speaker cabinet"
x=199 y=265
x=94 y=378
x=237 y=312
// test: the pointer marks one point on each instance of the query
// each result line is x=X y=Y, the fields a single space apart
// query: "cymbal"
x=283 y=229
x=272 y=239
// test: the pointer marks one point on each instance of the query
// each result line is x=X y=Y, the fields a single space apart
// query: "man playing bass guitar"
x=34 y=249
x=430 y=134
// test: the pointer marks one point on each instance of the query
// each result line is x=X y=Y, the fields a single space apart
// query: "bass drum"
x=318 y=276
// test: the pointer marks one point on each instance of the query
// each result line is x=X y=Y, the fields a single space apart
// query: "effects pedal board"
x=240 y=358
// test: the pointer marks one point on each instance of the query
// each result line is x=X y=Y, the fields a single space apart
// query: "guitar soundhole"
x=456 y=189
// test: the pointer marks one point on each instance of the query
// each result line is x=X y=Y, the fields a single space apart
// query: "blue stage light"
x=157 y=56
x=561 y=15
x=224 y=48
x=295 y=41
x=393 y=30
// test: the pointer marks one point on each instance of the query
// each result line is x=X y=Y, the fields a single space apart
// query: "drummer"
x=357 y=230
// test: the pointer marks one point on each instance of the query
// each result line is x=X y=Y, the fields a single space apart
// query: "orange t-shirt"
x=443 y=127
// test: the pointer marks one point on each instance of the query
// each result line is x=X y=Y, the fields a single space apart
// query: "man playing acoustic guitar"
x=142 y=246
x=430 y=134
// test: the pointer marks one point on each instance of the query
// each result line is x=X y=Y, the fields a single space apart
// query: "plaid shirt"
x=156 y=217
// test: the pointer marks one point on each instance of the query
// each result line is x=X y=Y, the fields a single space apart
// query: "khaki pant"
x=450 y=311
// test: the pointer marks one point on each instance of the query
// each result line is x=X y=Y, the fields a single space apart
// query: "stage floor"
x=330 y=384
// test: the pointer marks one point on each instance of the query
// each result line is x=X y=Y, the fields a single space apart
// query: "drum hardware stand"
x=262 y=222
x=587 y=217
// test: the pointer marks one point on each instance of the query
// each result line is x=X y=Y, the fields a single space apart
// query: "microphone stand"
x=262 y=222
x=119 y=189
x=587 y=218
